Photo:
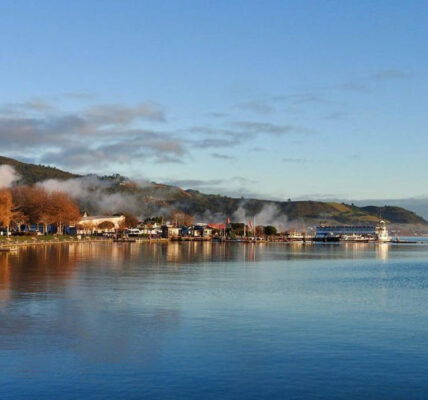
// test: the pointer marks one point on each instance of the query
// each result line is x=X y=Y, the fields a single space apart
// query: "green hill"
x=397 y=214
x=155 y=199
x=306 y=211
x=32 y=173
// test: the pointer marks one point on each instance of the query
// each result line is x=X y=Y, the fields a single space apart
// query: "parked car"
x=132 y=232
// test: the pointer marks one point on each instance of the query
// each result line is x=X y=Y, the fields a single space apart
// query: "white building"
x=90 y=224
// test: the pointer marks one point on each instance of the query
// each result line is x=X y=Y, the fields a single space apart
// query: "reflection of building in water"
x=250 y=252
x=114 y=254
x=382 y=250
x=206 y=249
x=173 y=252
x=356 y=248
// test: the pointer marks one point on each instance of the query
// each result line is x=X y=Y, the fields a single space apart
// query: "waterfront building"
x=376 y=232
x=91 y=224
x=151 y=230
x=202 y=230
x=169 y=231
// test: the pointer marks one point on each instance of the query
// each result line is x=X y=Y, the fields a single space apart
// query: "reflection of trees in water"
x=4 y=278
x=80 y=296
x=105 y=301
x=52 y=267
x=42 y=268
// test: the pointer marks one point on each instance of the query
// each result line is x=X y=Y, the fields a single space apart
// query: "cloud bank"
x=101 y=135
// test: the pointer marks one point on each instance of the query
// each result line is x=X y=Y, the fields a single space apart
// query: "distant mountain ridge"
x=150 y=198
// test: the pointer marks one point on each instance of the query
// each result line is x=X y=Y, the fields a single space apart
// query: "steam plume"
x=8 y=176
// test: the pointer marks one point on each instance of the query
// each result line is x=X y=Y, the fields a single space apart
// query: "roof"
x=101 y=217
x=217 y=226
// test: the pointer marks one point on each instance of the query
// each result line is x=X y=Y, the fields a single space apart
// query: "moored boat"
x=326 y=238
x=355 y=238
x=382 y=233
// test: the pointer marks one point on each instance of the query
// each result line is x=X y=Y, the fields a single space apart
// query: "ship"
x=382 y=233
x=352 y=233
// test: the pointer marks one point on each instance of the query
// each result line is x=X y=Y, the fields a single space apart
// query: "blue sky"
x=276 y=99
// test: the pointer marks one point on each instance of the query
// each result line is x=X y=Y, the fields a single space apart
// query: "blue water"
x=214 y=321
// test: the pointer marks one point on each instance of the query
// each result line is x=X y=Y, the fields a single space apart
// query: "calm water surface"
x=214 y=321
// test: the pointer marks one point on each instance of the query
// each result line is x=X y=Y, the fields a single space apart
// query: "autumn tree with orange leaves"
x=38 y=206
x=63 y=210
x=131 y=221
x=6 y=205
x=32 y=202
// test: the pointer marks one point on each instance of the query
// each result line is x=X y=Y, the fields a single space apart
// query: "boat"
x=326 y=238
x=133 y=232
x=382 y=234
x=295 y=237
x=352 y=233
x=398 y=240
x=354 y=238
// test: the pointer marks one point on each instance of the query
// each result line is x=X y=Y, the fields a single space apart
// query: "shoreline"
x=10 y=245
x=7 y=246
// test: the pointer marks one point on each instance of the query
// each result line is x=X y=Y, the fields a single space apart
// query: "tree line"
x=23 y=205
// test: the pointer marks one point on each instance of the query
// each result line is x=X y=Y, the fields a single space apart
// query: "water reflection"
x=46 y=269
x=382 y=250
x=176 y=320
x=4 y=278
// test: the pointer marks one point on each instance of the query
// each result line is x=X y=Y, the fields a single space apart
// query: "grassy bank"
x=18 y=241
x=46 y=239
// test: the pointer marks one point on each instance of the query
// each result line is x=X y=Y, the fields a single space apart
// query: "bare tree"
x=181 y=218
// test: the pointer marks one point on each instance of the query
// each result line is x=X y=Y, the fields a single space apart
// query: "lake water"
x=214 y=321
